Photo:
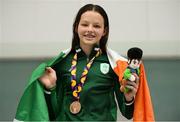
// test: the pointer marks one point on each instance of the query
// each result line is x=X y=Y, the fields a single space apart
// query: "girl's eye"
x=84 y=24
x=97 y=26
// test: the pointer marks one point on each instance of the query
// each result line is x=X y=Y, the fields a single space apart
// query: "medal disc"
x=75 y=107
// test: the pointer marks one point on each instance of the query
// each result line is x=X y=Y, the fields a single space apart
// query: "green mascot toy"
x=134 y=60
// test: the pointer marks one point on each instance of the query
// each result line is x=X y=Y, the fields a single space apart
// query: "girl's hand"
x=48 y=79
x=133 y=87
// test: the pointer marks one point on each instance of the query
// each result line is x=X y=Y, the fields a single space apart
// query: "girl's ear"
x=105 y=31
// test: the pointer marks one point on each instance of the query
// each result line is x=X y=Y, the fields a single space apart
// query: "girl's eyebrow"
x=88 y=22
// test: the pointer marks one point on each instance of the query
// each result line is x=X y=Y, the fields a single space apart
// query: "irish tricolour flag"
x=33 y=107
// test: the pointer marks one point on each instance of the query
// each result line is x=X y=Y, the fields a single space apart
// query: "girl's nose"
x=90 y=28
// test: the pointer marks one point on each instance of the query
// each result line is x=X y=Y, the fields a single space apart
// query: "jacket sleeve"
x=49 y=96
x=125 y=108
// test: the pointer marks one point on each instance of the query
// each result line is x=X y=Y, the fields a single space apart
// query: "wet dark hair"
x=101 y=11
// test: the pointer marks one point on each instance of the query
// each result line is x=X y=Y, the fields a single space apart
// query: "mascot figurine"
x=134 y=60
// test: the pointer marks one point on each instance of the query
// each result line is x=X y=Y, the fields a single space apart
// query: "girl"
x=80 y=83
x=90 y=88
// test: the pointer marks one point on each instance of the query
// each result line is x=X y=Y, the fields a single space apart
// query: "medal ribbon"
x=77 y=88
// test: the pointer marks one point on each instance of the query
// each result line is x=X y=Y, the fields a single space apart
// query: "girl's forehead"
x=91 y=15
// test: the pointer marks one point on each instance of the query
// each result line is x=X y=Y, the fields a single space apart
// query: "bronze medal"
x=75 y=107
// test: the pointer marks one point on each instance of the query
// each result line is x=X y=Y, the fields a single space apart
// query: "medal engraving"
x=75 y=107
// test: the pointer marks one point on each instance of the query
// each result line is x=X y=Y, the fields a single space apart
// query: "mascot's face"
x=134 y=63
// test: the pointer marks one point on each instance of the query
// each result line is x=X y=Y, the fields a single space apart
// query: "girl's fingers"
x=130 y=87
x=49 y=70
x=132 y=83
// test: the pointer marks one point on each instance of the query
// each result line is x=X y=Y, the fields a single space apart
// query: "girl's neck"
x=87 y=49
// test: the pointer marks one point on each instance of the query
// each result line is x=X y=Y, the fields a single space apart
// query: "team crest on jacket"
x=104 y=67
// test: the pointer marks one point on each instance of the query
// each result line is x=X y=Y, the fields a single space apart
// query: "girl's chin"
x=91 y=42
